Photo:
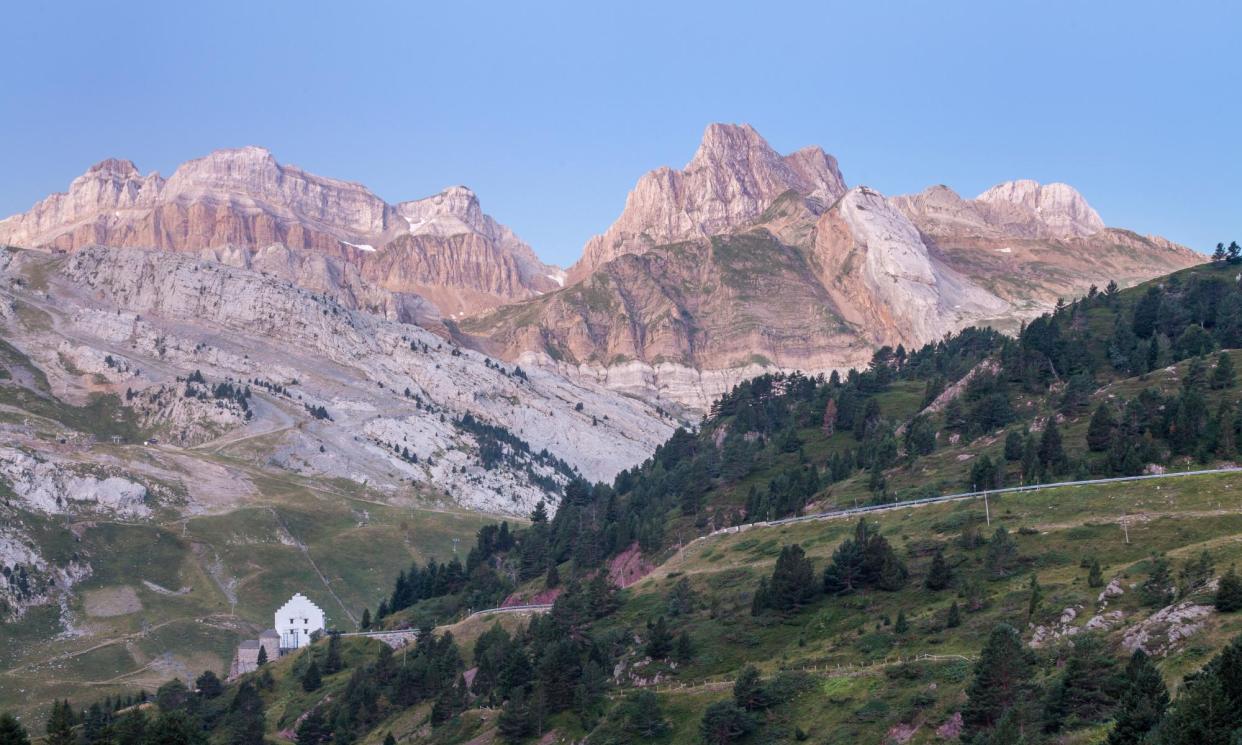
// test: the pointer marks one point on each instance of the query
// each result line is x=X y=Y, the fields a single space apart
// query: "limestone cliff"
x=733 y=177
x=443 y=247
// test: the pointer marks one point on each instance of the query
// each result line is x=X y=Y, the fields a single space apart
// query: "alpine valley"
x=246 y=380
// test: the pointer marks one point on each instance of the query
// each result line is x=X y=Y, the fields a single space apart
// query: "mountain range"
x=743 y=261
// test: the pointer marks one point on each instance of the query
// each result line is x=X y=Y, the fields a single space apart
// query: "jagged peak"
x=114 y=167
x=721 y=141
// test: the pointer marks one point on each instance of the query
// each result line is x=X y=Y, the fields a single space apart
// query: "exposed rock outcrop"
x=731 y=180
x=242 y=200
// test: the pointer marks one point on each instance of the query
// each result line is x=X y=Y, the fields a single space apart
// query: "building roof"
x=269 y=634
x=249 y=644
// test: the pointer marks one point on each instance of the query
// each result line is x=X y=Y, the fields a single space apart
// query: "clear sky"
x=552 y=111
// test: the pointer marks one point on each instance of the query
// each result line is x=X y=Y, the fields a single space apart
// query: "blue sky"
x=551 y=111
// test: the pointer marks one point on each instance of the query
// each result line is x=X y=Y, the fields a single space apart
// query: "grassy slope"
x=357 y=542
x=1178 y=517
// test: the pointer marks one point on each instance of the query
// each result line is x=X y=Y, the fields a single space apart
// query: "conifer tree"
x=1035 y=598
x=515 y=721
x=1143 y=702
x=725 y=722
x=365 y=624
x=1002 y=554
x=1051 y=453
x=1087 y=688
x=1095 y=575
x=311 y=679
x=313 y=730
x=684 y=652
x=902 y=626
x=939 y=576
x=1229 y=592
x=262 y=656
x=749 y=693
x=1002 y=682
x=1157 y=589
x=659 y=639
x=1223 y=376
x=954 y=618
x=639 y=717
x=208 y=685
x=60 y=724
x=11 y=731
x=793 y=583
x=1100 y=429
x=332 y=662
x=388 y=739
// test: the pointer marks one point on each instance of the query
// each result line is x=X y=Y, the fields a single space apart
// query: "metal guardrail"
x=538 y=607
x=962 y=496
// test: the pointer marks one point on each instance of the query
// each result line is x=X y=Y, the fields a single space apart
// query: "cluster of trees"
x=499 y=446
x=864 y=561
x=483 y=582
x=1007 y=704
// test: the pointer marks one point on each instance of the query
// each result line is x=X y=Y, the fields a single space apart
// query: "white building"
x=296 y=620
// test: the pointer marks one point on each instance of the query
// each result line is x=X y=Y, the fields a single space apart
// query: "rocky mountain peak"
x=732 y=178
x=1040 y=210
x=113 y=168
x=725 y=144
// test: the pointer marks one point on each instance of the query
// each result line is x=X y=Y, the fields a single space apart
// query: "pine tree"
x=389 y=739
x=1157 y=589
x=365 y=624
x=659 y=639
x=1002 y=554
x=60 y=724
x=1226 y=438
x=902 y=626
x=1229 y=592
x=208 y=685
x=332 y=662
x=954 y=618
x=244 y=720
x=749 y=692
x=11 y=731
x=1013 y=446
x=1002 y=680
x=311 y=679
x=515 y=721
x=793 y=583
x=639 y=718
x=1095 y=575
x=1087 y=688
x=1100 y=430
x=684 y=651
x=313 y=730
x=725 y=722
x=1036 y=597
x=682 y=600
x=262 y=656
x=1223 y=376
x=1051 y=453
x=939 y=576
x=1143 y=702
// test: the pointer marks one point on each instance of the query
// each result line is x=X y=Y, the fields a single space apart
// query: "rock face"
x=748 y=260
x=334 y=391
x=796 y=290
x=244 y=200
x=458 y=257
x=1033 y=244
x=730 y=181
